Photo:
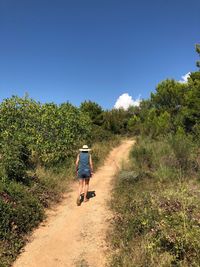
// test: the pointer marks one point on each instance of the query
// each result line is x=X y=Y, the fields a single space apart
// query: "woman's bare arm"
x=91 y=164
x=77 y=162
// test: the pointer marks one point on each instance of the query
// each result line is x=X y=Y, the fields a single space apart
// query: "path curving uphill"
x=75 y=235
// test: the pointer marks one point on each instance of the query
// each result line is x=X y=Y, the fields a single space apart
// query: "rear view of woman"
x=84 y=169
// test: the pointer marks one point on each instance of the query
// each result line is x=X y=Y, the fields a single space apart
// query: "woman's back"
x=84 y=164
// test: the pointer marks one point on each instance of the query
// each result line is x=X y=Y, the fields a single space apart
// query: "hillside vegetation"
x=156 y=199
x=38 y=147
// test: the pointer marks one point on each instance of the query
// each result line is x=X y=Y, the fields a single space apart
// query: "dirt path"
x=72 y=235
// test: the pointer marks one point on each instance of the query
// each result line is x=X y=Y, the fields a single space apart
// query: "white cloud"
x=125 y=101
x=185 y=77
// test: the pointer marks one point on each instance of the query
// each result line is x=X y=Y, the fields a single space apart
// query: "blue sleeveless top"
x=84 y=165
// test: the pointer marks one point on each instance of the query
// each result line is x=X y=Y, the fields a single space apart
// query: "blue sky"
x=60 y=50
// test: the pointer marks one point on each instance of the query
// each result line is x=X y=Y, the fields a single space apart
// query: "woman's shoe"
x=78 y=201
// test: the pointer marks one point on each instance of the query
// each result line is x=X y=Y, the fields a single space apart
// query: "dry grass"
x=156 y=203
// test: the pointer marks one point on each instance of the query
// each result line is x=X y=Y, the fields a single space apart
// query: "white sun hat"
x=84 y=148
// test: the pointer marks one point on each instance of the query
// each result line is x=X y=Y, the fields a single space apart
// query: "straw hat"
x=84 y=148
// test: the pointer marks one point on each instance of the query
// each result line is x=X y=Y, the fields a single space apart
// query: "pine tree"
x=198 y=51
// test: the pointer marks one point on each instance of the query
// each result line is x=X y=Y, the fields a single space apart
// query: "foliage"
x=94 y=111
x=173 y=105
x=99 y=134
x=156 y=219
x=134 y=124
x=116 y=121
x=20 y=211
x=38 y=134
x=169 y=96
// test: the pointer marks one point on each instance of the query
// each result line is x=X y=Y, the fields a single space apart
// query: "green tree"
x=32 y=133
x=198 y=51
x=116 y=121
x=94 y=111
x=192 y=102
x=169 y=96
x=134 y=124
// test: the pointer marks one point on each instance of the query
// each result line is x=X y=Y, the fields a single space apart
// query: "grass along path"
x=72 y=235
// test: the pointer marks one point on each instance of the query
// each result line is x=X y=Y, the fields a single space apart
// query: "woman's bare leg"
x=80 y=189
x=86 y=187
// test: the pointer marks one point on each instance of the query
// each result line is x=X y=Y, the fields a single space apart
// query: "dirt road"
x=75 y=235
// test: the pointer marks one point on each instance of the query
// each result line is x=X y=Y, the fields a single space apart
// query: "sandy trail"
x=75 y=235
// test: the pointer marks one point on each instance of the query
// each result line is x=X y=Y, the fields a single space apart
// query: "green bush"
x=143 y=156
x=98 y=134
x=182 y=146
x=20 y=211
x=34 y=134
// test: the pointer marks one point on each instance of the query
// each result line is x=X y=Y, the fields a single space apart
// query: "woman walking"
x=84 y=170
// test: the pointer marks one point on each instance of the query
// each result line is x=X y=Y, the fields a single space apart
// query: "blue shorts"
x=84 y=175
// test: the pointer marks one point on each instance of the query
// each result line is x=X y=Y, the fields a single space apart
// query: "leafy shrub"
x=134 y=125
x=143 y=156
x=157 y=124
x=182 y=146
x=98 y=134
x=34 y=134
x=20 y=211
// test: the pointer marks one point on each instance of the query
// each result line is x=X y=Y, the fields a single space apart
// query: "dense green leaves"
x=173 y=105
x=32 y=133
x=169 y=95
x=94 y=111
